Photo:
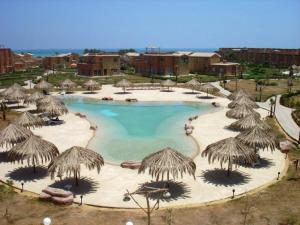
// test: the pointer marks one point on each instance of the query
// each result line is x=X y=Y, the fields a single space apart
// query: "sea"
x=51 y=52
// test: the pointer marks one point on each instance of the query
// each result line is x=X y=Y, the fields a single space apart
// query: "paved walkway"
x=222 y=90
x=284 y=117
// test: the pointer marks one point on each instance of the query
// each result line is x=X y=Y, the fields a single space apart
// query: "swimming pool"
x=131 y=131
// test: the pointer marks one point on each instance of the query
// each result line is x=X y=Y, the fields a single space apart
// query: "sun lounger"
x=130 y=165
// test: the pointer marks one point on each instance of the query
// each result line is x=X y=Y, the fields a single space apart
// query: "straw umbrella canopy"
x=33 y=98
x=237 y=94
x=208 y=88
x=29 y=120
x=43 y=85
x=91 y=85
x=168 y=83
x=240 y=111
x=13 y=134
x=12 y=88
x=193 y=83
x=167 y=162
x=53 y=108
x=124 y=84
x=68 y=84
x=243 y=100
x=47 y=99
x=258 y=138
x=231 y=151
x=70 y=162
x=248 y=122
x=34 y=150
x=16 y=95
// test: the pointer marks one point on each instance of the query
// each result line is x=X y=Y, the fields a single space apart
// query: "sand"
x=108 y=187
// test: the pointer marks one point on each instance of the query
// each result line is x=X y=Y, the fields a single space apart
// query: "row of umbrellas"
x=254 y=134
x=194 y=84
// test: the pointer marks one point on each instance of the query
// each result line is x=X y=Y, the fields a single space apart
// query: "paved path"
x=284 y=117
x=222 y=90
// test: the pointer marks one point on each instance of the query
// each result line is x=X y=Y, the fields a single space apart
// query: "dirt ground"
x=267 y=91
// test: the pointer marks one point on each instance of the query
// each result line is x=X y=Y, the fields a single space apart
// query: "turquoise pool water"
x=131 y=131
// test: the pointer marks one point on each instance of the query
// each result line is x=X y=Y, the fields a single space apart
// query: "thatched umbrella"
x=13 y=134
x=231 y=151
x=240 y=111
x=193 y=83
x=16 y=95
x=243 y=100
x=12 y=88
x=123 y=84
x=33 y=98
x=47 y=99
x=34 y=150
x=70 y=161
x=168 y=83
x=53 y=108
x=43 y=85
x=248 y=122
x=91 y=85
x=167 y=162
x=68 y=84
x=208 y=88
x=258 y=137
x=29 y=120
x=237 y=94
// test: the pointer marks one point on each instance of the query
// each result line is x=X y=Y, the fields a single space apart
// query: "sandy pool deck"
x=108 y=187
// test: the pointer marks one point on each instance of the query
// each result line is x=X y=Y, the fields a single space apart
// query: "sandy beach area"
x=108 y=187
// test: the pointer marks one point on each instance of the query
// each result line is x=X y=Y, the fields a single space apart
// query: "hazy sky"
x=36 y=24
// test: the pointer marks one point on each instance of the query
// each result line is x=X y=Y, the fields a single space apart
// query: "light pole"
x=129 y=223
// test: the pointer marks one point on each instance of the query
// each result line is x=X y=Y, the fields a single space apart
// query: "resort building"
x=100 y=64
x=265 y=56
x=25 y=61
x=225 y=68
x=200 y=62
x=6 y=60
x=68 y=60
x=181 y=63
x=161 y=63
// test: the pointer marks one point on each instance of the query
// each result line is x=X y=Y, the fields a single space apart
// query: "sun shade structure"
x=231 y=151
x=34 y=150
x=248 y=122
x=92 y=85
x=258 y=138
x=168 y=83
x=13 y=134
x=238 y=94
x=43 y=85
x=68 y=84
x=167 y=162
x=53 y=108
x=193 y=83
x=123 y=84
x=208 y=88
x=16 y=95
x=33 y=98
x=243 y=100
x=47 y=99
x=12 y=88
x=70 y=161
x=241 y=111
x=29 y=120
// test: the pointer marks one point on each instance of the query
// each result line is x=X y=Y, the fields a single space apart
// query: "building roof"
x=130 y=54
x=224 y=64
x=181 y=53
x=204 y=54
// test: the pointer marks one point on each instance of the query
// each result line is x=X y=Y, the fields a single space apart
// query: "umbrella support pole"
x=228 y=170
x=34 y=169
